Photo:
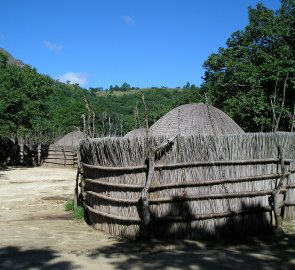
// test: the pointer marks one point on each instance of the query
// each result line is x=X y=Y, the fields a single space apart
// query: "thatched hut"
x=64 y=151
x=193 y=119
x=196 y=187
x=136 y=133
x=197 y=175
x=70 y=139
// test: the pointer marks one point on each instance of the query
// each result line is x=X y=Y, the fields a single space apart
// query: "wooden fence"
x=59 y=156
x=195 y=187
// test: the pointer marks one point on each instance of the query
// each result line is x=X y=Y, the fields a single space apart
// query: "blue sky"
x=98 y=43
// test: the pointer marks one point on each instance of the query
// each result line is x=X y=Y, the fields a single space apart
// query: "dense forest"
x=252 y=79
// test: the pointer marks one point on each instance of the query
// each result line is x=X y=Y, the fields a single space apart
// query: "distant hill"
x=117 y=110
x=11 y=59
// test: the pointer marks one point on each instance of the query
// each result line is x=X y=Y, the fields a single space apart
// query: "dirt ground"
x=36 y=233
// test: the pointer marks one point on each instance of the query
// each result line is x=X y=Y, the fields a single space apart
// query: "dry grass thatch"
x=136 y=133
x=70 y=139
x=193 y=119
x=203 y=186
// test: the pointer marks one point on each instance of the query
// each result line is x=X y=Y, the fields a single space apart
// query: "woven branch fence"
x=58 y=156
x=198 y=187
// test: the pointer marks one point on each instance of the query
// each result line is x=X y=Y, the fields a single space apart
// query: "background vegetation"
x=252 y=79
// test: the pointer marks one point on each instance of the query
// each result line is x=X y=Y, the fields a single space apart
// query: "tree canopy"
x=24 y=95
x=253 y=77
x=34 y=102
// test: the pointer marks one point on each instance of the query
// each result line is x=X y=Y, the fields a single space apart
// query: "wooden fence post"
x=277 y=191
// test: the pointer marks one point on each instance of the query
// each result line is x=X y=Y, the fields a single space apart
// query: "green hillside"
x=34 y=102
x=115 y=111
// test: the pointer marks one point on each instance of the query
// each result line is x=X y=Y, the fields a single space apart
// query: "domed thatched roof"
x=136 y=133
x=71 y=139
x=196 y=118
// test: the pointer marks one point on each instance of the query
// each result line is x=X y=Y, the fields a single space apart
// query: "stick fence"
x=198 y=187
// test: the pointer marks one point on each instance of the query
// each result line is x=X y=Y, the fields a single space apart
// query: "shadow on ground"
x=14 y=258
x=277 y=252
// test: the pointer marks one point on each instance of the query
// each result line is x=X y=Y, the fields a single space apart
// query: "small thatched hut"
x=193 y=119
x=70 y=139
x=136 y=133
x=63 y=152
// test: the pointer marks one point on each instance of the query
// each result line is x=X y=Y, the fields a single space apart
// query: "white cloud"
x=74 y=77
x=56 y=48
x=128 y=20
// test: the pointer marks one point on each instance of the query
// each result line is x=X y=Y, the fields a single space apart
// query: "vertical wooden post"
x=78 y=176
x=76 y=190
x=277 y=191
x=146 y=214
x=65 y=158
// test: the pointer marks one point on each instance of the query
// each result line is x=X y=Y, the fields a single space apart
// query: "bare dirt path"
x=36 y=233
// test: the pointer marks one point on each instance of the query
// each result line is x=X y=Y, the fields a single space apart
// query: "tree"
x=3 y=59
x=24 y=93
x=187 y=85
x=125 y=86
x=257 y=64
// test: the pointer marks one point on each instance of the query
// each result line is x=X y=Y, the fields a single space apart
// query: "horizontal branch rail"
x=112 y=169
x=186 y=164
x=69 y=162
x=182 y=219
x=289 y=203
x=213 y=215
x=187 y=184
x=219 y=163
x=171 y=199
x=217 y=182
x=114 y=200
x=60 y=150
x=114 y=217
x=220 y=196
x=114 y=185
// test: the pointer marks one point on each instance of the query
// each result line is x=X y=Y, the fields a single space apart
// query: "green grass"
x=78 y=213
x=69 y=206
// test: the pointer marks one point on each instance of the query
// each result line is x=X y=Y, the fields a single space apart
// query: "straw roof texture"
x=195 y=118
x=70 y=139
x=136 y=133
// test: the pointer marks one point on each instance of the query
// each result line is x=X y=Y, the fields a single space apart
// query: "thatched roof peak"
x=136 y=133
x=195 y=118
x=71 y=139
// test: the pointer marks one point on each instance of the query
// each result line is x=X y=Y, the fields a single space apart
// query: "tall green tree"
x=23 y=93
x=253 y=77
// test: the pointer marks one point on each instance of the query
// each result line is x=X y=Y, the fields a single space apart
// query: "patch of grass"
x=79 y=213
x=69 y=206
